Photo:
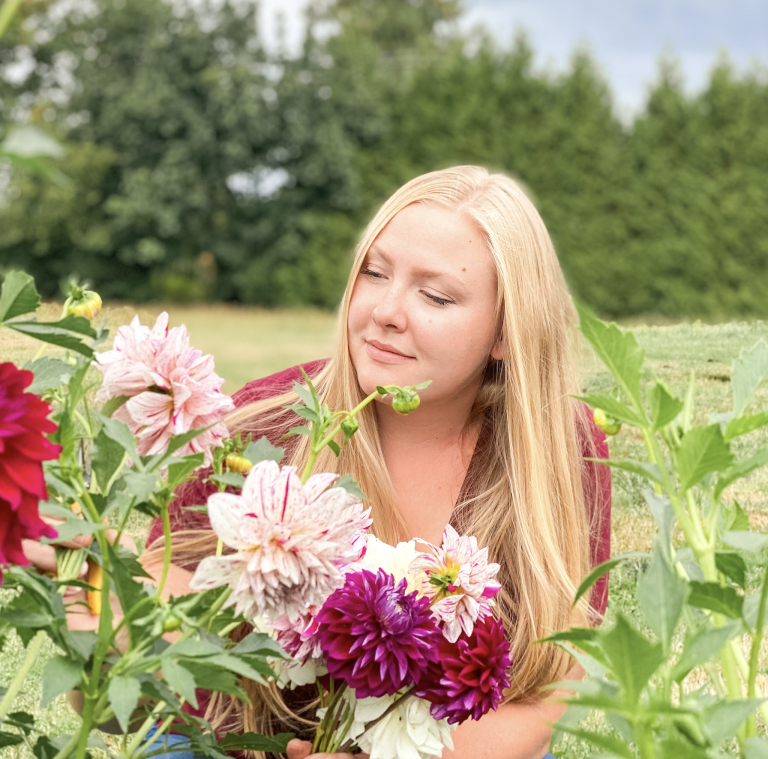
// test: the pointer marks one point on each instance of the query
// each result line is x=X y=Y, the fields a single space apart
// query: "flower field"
x=249 y=343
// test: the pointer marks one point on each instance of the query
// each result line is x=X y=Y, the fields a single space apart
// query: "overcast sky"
x=626 y=37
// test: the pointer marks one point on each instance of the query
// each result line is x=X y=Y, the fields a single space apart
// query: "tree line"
x=204 y=167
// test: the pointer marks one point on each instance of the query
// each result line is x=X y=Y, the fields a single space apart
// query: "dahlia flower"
x=23 y=447
x=459 y=580
x=298 y=637
x=394 y=560
x=375 y=636
x=171 y=388
x=471 y=674
x=409 y=731
x=292 y=542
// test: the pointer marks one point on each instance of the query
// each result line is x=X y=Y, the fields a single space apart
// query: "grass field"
x=250 y=343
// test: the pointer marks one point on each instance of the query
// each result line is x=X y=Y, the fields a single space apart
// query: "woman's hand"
x=297 y=749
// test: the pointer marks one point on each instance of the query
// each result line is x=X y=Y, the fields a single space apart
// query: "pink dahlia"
x=470 y=675
x=375 y=636
x=459 y=581
x=171 y=388
x=23 y=447
x=299 y=637
x=293 y=542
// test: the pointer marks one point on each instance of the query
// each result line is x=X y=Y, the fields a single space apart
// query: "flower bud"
x=238 y=464
x=171 y=623
x=86 y=303
x=606 y=423
x=405 y=401
x=349 y=427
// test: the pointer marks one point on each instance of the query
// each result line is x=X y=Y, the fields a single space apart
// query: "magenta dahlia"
x=375 y=636
x=23 y=448
x=470 y=675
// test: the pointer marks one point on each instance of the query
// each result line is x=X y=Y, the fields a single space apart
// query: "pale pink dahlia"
x=171 y=388
x=459 y=580
x=294 y=542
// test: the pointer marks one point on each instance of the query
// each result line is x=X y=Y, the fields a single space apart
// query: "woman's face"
x=423 y=306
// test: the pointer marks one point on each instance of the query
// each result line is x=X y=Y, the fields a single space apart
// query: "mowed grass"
x=250 y=343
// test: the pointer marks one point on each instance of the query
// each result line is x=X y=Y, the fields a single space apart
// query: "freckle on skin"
x=463 y=268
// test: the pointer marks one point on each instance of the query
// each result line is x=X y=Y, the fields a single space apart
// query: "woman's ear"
x=497 y=351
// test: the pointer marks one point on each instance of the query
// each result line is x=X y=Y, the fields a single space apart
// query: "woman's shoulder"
x=276 y=384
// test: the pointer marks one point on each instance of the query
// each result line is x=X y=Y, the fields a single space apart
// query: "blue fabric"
x=549 y=756
x=163 y=742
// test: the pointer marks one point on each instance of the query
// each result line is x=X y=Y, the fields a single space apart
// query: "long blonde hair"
x=526 y=499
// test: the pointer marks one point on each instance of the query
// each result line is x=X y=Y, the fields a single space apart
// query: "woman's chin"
x=371 y=374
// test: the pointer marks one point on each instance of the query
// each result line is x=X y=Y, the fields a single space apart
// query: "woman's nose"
x=390 y=311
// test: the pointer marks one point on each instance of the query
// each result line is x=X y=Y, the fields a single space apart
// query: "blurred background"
x=197 y=151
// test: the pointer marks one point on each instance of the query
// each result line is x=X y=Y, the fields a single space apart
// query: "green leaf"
x=740 y=469
x=644 y=469
x=661 y=593
x=736 y=519
x=732 y=565
x=231 y=479
x=59 y=676
x=64 y=333
x=306 y=396
x=299 y=430
x=129 y=592
x=756 y=748
x=113 y=404
x=178 y=471
x=612 y=407
x=663 y=515
x=702 y=645
x=347 y=482
x=334 y=447
x=633 y=658
x=618 y=350
x=10 y=739
x=49 y=373
x=614 y=746
x=382 y=390
x=702 y=450
x=710 y=595
x=723 y=719
x=124 y=695
x=749 y=371
x=48 y=748
x=180 y=680
x=602 y=569
x=106 y=461
x=263 y=450
x=72 y=528
x=82 y=642
x=259 y=643
x=275 y=744
x=751 y=542
x=120 y=433
x=141 y=485
x=744 y=424
x=18 y=295
x=572 y=717
x=664 y=406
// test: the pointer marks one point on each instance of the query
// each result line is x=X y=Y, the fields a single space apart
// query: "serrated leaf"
x=306 y=396
x=120 y=433
x=10 y=739
x=612 y=407
x=723 y=719
x=124 y=695
x=732 y=565
x=59 y=676
x=178 y=471
x=751 y=542
x=736 y=519
x=740 y=469
x=632 y=656
x=663 y=515
x=49 y=373
x=603 y=569
x=347 y=482
x=745 y=424
x=18 y=295
x=664 y=406
x=749 y=371
x=231 y=479
x=644 y=469
x=710 y=595
x=263 y=450
x=106 y=461
x=180 y=680
x=661 y=593
x=141 y=485
x=275 y=744
x=703 y=645
x=72 y=528
x=618 y=350
x=701 y=451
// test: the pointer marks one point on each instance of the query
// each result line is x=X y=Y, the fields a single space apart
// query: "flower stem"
x=166 y=548
x=32 y=652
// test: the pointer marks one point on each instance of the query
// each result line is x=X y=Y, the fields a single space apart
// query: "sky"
x=626 y=37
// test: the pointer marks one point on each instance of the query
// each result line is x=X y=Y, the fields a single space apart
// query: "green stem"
x=164 y=725
x=166 y=549
x=16 y=684
x=743 y=666
x=67 y=750
x=7 y=12
x=754 y=653
x=86 y=426
x=146 y=726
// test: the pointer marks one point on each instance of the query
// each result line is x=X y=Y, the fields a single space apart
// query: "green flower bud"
x=606 y=423
x=405 y=401
x=87 y=303
x=349 y=427
x=171 y=623
x=238 y=464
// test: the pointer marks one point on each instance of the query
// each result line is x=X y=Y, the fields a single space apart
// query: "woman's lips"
x=378 y=352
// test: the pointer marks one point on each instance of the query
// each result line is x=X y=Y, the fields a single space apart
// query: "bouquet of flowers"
x=403 y=643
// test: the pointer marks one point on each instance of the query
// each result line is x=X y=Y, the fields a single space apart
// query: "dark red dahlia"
x=23 y=447
x=470 y=675
x=376 y=637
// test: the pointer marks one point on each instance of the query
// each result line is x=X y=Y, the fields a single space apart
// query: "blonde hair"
x=525 y=499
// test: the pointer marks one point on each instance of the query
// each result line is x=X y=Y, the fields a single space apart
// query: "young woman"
x=455 y=281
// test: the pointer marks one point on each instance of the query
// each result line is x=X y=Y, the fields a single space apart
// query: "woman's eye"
x=436 y=299
x=371 y=273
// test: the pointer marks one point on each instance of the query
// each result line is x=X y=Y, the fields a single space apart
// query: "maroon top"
x=598 y=500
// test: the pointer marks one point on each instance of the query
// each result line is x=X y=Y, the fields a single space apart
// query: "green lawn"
x=249 y=343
